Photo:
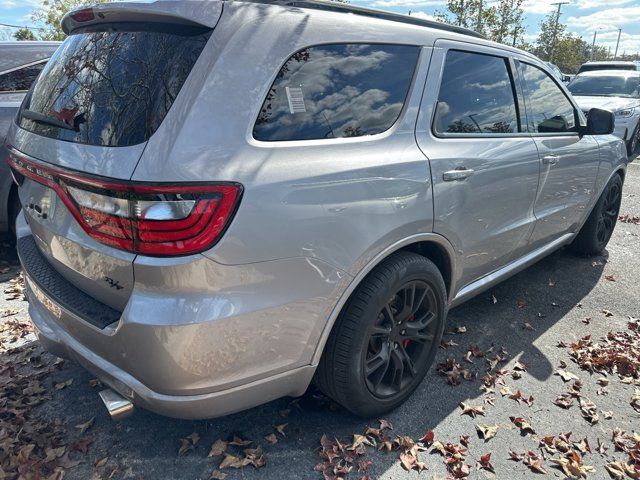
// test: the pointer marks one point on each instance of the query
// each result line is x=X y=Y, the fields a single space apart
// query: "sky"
x=583 y=17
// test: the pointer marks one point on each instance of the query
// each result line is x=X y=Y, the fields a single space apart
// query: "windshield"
x=606 y=86
x=113 y=86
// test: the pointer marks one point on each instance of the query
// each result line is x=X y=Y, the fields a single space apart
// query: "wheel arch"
x=430 y=245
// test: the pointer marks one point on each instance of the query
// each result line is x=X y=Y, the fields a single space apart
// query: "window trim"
x=15 y=69
x=576 y=115
x=514 y=91
x=324 y=141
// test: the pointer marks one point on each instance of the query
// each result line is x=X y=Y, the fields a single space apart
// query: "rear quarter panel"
x=338 y=200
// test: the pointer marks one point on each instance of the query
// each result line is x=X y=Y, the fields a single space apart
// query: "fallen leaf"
x=271 y=438
x=217 y=448
x=187 y=444
x=217 y=475
x=280 y=428
x=565 y=375
x=487 y=432
x=82 y=445
x=522 y=424
x=83 y=427
x=470 y=410
x=65 y=384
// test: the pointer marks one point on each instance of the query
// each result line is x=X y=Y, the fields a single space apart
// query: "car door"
x=484 y=167
x=568 y=160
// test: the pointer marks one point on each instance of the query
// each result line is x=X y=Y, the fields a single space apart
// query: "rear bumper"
x=59 y=342
x=196 y=339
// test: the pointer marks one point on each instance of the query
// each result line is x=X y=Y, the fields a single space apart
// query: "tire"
x=596 y=232
x=364 y=335
x=632 y=143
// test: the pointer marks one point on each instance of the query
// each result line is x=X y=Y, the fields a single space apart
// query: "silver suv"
x=224 y=201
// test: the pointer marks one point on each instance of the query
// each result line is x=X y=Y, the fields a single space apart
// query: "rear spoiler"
x=193 y=13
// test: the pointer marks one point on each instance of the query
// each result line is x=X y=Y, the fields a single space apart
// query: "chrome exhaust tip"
x=117 y=406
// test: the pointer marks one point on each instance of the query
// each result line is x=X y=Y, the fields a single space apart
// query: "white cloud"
x=408 y=3
x=611 y=18
x=9 y=4
x=423 y=15
x=539 y=7
x=584 y=4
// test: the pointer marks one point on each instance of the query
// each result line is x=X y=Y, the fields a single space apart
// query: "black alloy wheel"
x=401 y=338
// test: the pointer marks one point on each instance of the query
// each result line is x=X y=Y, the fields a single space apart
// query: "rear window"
x=112 y=87
x=591 y=68
x=20 y=79
x=333 y=91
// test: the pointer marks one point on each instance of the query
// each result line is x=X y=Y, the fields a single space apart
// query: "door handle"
x=460 y=173
x=550 y=159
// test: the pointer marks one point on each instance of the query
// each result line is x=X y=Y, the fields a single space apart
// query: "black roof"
x=368 y=12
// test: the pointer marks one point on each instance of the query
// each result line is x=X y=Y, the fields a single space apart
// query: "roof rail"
x=333 y=6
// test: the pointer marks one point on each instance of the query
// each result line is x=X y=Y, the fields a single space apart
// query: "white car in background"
x=615 y=90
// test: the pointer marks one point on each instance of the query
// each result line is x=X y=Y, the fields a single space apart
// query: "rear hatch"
x=82 y=129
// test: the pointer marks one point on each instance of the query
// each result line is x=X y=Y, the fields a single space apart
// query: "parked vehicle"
x=615 y=90
x=20 y=64
x=558 y=73
x=208 y=226
x=608 y=65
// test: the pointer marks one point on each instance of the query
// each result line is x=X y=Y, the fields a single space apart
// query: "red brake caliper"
x=406 y=341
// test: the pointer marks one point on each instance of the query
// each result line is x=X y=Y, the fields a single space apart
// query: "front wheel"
x=387 y=336
x=596 y=232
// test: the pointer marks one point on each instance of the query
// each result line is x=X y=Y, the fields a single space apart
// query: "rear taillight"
x=158 y=219
x=84 y=15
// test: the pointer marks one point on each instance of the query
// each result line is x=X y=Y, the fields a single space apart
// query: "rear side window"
x=20 y=79
x=548 y=109
x=114 y=86
x=476 y=96
x=333 y=91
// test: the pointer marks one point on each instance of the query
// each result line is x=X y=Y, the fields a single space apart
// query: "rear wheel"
x=386 y=337
x=596 y=232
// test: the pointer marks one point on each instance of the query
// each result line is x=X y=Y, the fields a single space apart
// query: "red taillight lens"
x=158 y=220
x=84 y=15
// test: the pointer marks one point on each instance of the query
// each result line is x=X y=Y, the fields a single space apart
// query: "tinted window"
x=112 y=88
x=476 y=96
x=548 y=109
x=606 y=86
x=591 y=68
x=21 y=79
x=333 y=91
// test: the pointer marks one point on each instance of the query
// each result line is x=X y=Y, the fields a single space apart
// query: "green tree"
x=24 y=34
x=51 y=13
x=551 y=33
x=501 y=21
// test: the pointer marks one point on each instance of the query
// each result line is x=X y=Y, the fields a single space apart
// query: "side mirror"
x=600 y=122
x=566 y=78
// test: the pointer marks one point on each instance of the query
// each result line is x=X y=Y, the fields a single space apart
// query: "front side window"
x=476 y=96
x=21 y=79
x=548 y=109
x=334 y=91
